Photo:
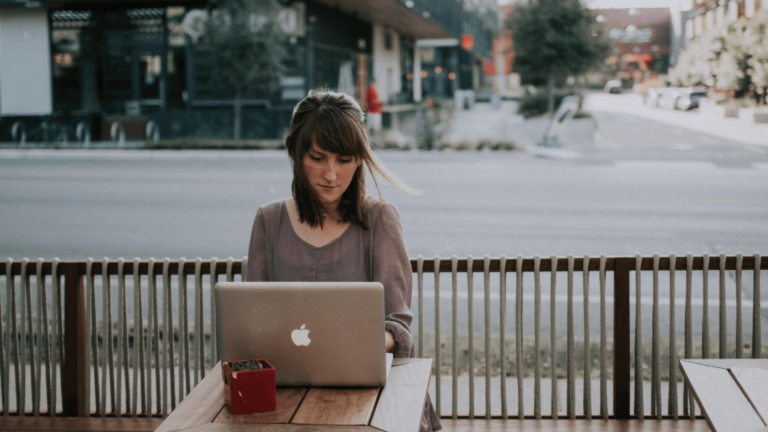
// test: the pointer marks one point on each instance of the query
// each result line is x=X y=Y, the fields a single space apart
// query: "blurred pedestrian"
x=374 y=109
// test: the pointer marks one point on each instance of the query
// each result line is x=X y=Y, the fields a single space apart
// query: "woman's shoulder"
x=380 y=210
x=271 y=209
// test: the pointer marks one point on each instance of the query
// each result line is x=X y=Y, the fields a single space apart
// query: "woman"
x=330 y=230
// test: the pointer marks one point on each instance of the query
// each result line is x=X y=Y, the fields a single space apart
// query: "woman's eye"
x=345 y=161
x=315 y=158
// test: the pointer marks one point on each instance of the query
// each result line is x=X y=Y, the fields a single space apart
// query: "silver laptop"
x=327 y=334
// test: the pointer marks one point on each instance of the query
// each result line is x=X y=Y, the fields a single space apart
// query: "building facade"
x=642 y=38
x=96 y=62
x=708 y=14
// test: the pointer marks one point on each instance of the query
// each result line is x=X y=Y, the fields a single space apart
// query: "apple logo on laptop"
x=301 y=336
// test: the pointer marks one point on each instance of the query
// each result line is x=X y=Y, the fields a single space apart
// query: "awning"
x=393 y=14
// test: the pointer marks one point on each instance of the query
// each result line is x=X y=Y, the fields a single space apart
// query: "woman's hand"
x=390 y=345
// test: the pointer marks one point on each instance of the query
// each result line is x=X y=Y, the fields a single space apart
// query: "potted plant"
x=249 y=386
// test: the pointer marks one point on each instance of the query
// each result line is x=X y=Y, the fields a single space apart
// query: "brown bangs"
x=333 y=131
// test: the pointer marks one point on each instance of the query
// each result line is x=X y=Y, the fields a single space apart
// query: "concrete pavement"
x=726 y=128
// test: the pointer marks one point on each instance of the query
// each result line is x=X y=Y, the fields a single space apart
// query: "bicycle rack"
x=83 y=134
x=153 y=131
x=19 y=133
x=117 y=132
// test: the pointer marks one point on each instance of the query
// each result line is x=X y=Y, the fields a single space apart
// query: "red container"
x=252 y=391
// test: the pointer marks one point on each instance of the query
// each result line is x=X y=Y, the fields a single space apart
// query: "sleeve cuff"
x=403 y=339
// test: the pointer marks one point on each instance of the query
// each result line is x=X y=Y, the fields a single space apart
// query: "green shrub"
x=533 y=105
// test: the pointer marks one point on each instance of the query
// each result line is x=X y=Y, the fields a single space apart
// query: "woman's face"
x=329 y=174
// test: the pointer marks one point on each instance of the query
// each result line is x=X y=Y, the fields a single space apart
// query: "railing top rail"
x=428 y=264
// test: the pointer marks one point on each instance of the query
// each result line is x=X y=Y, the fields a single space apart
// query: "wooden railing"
x=70 y=345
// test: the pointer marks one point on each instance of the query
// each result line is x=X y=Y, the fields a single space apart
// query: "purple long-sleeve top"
x=377 y=254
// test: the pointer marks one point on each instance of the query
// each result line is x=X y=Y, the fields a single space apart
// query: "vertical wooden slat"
x=73 y=382
x=553 y=335
x=503 y=332
x=757 y=319
x=587 y=347
x=487 y=315
x=621 y=339
x=673 y=362
x=106 y=334
x=655 y=366
x=169 y=384
x=689 y=406
x=214 y=278
x=603 y=344
x=38 y=339
x=22 y=364
x=471 y=330
x=705 y=308
x=183 y=333
x=59 y=327
x=420 y=296
x=9 y=336
x=46 y=339
x=536 y=337
x=739 y=327
x=639 y=402
x=438 y=362
x=454 y=337
x=571 y=363
x=723 y=327
x=90 y=349
x=519 y=354
x=154 y=354
x=120 y=338
x=139 y=372
x=199 y=348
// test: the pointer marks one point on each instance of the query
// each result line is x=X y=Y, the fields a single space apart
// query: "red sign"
x=466 y=42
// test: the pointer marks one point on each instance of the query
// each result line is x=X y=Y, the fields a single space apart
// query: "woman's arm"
x=392 y=268
x=257 y=257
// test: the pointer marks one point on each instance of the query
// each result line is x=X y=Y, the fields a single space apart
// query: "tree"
x=247 y=50
x=731 y=57
x=554 y=39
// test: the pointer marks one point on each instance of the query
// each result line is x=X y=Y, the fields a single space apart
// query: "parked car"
x=653 y=96
x=681 y=98
x=689 y=97
x=613 y=86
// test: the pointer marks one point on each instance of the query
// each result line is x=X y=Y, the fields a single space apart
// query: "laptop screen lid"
x=314 y=333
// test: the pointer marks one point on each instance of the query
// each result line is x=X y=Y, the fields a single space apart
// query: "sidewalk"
x=728 y=128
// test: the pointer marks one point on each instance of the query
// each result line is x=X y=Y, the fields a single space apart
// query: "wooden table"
x=732 y=394
x=395 y=407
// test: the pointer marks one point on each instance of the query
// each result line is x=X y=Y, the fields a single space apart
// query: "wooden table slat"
x=337 y=406
x=227 y=427
x=401 y=403
x=288 y=400
x=201 y=406
x=721 y=400
x=731 y=363
x=754 y=383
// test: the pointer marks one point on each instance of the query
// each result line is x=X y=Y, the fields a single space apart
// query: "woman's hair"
x=335 y=122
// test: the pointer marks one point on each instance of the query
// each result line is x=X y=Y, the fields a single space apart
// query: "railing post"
x=621 y=338
x=73 y=393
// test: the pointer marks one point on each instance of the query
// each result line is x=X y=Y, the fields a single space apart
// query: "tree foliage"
x=732 y=57
x=556 y=38
x=247 y=47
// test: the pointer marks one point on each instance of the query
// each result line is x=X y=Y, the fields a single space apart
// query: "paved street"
x=641 y=186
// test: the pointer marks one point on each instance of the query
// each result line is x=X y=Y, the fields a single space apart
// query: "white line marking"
x=664 y=164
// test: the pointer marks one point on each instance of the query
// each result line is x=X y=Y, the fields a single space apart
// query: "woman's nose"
x=329 y=173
